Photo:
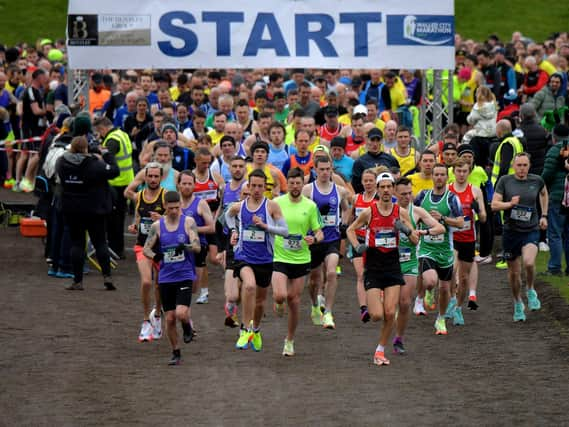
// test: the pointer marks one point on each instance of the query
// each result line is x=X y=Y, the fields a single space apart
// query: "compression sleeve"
x=278 y=227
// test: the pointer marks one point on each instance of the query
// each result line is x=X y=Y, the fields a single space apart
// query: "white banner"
x=261 y=34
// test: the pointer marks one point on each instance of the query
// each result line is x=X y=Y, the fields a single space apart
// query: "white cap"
x=360 y=109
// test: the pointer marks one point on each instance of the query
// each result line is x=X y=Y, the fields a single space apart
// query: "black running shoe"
x=398 y=347
x=472 y=304
x=364 y=315
x=108 y=283
x=176 y=358
x=188 y=332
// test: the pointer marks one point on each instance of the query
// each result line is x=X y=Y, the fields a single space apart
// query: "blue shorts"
x=514 y=241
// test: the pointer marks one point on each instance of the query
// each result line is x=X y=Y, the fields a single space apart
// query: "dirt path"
x=71 y=358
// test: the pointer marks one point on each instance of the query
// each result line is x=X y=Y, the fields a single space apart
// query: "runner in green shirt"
x=291 y=254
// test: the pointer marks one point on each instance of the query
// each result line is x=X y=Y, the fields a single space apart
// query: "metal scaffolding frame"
x=78 y=89
x=434 y=112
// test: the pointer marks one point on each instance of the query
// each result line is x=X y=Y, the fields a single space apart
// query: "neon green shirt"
x=477 y=177
x=300 y=217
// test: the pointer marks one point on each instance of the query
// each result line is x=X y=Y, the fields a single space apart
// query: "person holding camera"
x=85 y=201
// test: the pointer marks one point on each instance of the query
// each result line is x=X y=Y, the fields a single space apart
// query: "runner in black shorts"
x=517 y=195
x=383 y=279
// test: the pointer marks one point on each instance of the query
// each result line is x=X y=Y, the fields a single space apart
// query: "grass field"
x=474 y=19
x=561 y=283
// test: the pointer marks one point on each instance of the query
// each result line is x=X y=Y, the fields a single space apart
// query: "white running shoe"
x=203 y=298
x=145 y=332
x=419 y=309
x=483 y=260
x=543 y=247
x=156 y=323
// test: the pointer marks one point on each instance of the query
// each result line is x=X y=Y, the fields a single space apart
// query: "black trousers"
x=79 y=225
x=487 y=229
x=115 y=221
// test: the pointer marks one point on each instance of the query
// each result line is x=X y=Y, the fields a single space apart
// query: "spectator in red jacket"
x=534 y=79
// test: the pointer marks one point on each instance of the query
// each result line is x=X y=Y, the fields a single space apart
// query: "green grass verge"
x=31 y=19
x=561 y=283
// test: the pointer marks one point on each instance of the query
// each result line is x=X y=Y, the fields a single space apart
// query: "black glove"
x=343 y=228
x=159 y=256
x=475 y=206
x=179 y=249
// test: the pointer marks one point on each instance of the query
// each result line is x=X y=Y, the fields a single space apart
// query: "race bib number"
x=145 y=224
x=521 y=213
x=208 y=195
x=385 y=239
x=467 y=224
x=253 y=235
x=359 y=211
x=171 y=257
x=404 y=254
x=293 y=242
x=439 y=238
x=329 y=220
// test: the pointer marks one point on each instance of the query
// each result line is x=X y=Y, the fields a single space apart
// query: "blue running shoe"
x=64 y=275
x=519 y=315
x=458 y=319
x=52 y=272
x=450 y=308
x=533 y=301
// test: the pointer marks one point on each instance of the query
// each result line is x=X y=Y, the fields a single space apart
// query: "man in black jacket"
x=536 y=138
x=85 y=201
x=373 y=158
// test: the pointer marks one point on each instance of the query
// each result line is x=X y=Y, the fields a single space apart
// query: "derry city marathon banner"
x=259 y=34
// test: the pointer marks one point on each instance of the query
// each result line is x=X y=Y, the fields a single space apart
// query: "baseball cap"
x=375 y=133
x=261 y=94
x=449 y=146
x=321 y=147
x=345 y=80
x=384 y=175
x=362 y=109
x=331 y=111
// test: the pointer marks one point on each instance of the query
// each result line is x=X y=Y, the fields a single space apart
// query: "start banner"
x=261 y=34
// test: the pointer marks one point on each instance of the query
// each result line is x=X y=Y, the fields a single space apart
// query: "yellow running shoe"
x=245 y=338
x=257 y=341
x=316 y=315
x=328 y=321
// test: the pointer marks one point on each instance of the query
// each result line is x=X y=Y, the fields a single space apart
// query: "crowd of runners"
x=275 y=175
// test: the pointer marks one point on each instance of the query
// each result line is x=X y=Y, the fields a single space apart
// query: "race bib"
x=385 y=239
x=207 y=195
x=145 y=224
x=329 y=220
x=439 y=238
x=254 y=235
x=171 y=257
x=521 y=213
x=404 y=254
x=293 y=242
x=359 y=211
x=467 y=224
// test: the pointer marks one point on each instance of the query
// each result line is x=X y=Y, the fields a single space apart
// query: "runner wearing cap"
x=331 y=127
x=373 y=158
x=450 y=154
x=382 y=221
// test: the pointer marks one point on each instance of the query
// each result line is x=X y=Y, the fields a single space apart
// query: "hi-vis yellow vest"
x=518 y=148
x=123 y=158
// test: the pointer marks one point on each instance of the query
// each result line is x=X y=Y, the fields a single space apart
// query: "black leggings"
x=79 y=225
